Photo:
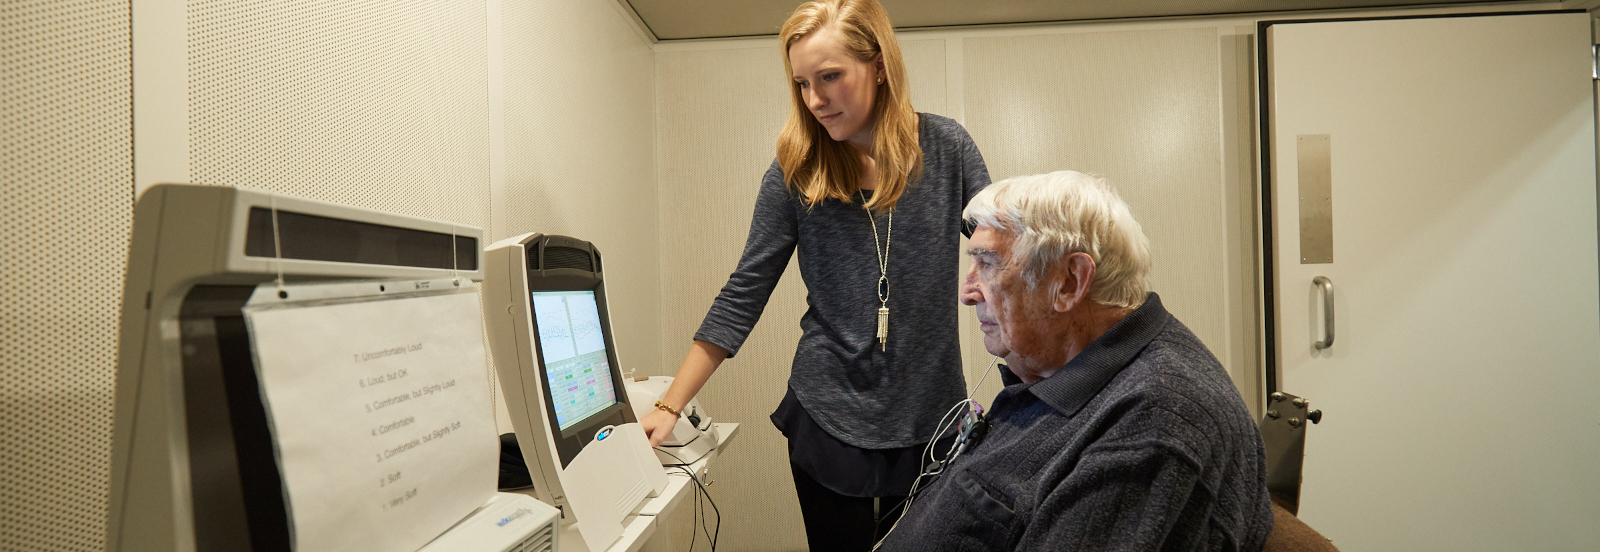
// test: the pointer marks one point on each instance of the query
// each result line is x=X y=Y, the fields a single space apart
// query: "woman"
x=871 y=193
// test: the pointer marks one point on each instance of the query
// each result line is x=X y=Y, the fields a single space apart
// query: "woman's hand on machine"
x=658 y=425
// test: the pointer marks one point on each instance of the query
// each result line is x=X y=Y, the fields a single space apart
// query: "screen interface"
x=574 y=353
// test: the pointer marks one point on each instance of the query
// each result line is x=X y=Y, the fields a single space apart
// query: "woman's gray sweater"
x=861 y=394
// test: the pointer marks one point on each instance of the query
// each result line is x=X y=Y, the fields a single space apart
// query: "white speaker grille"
x=374 y=104
x=67 y=203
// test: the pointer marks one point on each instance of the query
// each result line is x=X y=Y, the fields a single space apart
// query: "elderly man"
x=1117 y=430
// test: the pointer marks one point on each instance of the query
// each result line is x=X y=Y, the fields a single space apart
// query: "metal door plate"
x=1316 y=198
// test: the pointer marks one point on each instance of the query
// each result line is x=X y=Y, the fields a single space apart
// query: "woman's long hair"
x=813 y=163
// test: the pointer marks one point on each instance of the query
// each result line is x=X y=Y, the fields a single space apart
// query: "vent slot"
x=568 y=257
x=537 y=542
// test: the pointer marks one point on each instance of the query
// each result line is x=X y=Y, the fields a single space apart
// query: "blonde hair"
x=1057 y=214
x=813 y=163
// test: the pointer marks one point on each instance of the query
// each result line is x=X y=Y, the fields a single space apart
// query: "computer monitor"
x=574 y=355
x=550 y=334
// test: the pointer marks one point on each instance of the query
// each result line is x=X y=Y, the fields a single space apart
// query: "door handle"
x=1325 y=286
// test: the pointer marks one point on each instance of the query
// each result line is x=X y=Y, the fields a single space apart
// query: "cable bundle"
x=970 y=427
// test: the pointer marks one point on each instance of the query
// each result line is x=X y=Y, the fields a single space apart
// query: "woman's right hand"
x=658 y=425
x=702 y=360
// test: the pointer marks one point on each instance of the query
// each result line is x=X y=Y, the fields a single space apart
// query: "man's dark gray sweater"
x=859 y=393
x=1140 y=442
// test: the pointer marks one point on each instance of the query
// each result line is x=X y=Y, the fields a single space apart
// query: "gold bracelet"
x=663 y=406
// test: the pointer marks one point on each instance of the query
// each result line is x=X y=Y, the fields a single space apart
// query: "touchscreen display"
x=573 y=348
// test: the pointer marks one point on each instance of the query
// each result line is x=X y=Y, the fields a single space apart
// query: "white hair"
x=1057 y=214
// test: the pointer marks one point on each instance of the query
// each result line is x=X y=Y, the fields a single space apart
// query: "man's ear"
x=1074 y=274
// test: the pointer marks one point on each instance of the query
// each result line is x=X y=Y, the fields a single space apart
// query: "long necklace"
x=883 y=271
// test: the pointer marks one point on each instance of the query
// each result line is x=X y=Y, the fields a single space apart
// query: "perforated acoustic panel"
x=67 y=203
x=381 y=105
x=925 y=69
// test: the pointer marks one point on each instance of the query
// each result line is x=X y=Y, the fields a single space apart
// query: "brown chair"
x=1289 y=534
x=1283 y=433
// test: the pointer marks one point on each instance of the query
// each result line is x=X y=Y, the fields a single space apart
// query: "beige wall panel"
x=720 y=114
x=925 y=69
x=378 y=105
x=579 y=130
x=1141 y=108
x=67 y=203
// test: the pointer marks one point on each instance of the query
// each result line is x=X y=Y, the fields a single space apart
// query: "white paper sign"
x=381 y=415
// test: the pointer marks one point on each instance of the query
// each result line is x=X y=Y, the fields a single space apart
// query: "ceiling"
x=697 y=19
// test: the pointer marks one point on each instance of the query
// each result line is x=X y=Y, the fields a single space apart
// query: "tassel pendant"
x=883 y=327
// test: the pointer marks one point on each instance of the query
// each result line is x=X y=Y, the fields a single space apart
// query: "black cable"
x=700 y=518
x=696 y=521
x=680 y=465
x=701 y=508
x=700 y=489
